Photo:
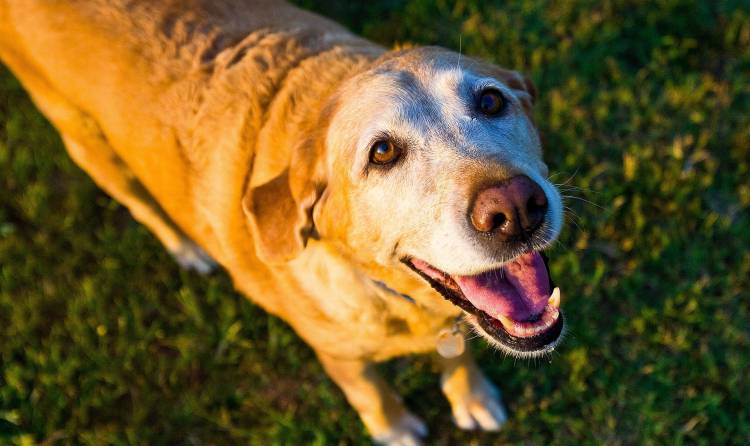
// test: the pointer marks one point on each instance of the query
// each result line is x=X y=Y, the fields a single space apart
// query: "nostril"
x=498 y=220
x=531 y=205
x=536 y=204
x=536 y=208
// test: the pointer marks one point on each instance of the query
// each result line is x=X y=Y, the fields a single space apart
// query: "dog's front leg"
x=379 y=407
x=475 y=401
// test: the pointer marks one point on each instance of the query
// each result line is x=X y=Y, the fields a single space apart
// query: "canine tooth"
x=554 y=299
x=506 y=321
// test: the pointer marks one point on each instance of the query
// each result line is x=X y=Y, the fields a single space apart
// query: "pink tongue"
x=519 y=290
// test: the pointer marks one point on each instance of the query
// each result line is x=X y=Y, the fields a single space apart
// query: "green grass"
x=645 y=111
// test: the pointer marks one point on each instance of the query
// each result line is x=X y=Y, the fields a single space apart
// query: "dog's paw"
x=408 y=431
x=481 y=408
x=192 y=257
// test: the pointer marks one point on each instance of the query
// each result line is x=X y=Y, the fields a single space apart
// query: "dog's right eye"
x=384 y=152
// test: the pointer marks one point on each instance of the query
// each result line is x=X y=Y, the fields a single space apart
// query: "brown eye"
x=384 y=152
x=491 y=102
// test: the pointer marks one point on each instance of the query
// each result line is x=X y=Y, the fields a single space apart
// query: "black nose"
x=511 y=210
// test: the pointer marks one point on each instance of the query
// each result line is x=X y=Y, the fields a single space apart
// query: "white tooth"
x=507 y=322
x=554 y=299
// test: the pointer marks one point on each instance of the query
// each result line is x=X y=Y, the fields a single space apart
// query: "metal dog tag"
x=450 y=342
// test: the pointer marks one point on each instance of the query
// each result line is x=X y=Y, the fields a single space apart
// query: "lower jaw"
x=531 y=346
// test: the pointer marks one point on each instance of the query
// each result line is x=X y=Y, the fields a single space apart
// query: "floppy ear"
x=279 y=212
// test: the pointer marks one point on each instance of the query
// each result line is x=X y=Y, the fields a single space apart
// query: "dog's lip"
x=536 y=335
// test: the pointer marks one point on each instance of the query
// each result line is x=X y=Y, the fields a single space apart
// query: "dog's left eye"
x=491 y=102
x=384 y=152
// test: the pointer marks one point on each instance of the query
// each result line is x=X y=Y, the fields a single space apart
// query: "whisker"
x=574 y=219
x=570 y=178
x=584 y=200
x=578 y=227
x=460 y=41
x=476 y=335
x=571 y=187
x=559 y=244
x=572 y=213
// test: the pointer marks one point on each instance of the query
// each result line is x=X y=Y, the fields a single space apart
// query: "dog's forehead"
x=426 y=91
x=429 y=105
x=413 y=103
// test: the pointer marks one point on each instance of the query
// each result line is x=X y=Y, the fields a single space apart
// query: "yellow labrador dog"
x=367 y=197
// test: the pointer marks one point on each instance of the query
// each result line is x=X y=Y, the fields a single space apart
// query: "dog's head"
x=430 y=167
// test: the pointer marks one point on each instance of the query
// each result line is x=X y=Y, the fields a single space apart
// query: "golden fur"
x=212 y=120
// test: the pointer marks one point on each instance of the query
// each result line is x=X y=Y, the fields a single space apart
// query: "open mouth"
x=516 y=305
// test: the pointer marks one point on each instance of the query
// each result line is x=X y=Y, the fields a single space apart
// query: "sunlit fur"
x=238 y=131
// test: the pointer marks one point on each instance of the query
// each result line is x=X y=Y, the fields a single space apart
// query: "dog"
x=376 y=200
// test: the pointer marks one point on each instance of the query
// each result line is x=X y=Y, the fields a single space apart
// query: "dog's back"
x=157 y=82
x=131 y=64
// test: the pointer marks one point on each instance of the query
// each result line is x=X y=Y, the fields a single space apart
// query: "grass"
x=645 y=112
